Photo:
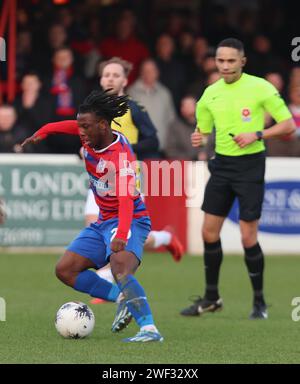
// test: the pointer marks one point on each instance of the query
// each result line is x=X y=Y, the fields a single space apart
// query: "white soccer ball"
x=74 y=320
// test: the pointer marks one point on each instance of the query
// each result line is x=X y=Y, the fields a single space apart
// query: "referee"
x=235 y=106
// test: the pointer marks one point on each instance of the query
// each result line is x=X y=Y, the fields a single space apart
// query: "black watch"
x=259 y=135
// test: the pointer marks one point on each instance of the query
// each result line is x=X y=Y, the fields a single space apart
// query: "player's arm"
x=125 y=183
x=69 y=127
x=205 y=123
x=147 y=141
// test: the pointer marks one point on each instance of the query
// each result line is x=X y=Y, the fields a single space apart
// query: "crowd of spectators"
x=59 y=50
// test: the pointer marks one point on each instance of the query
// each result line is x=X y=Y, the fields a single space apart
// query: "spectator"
x=288 y=145
x=276 y=79
x=201 y=50
x=11 y=134
x=57 y=37
x=67 y=87
x=294 y=106
x=295 y=76
x=202 y=73
x=172 y=71
x=156 y=98
x=186 y=46
x=125 y=44
x=23 y=53
x=180 y=130
x=213 y=77
x=68 y=90
x=34 y=107
x=175 y=24
x=263 y=59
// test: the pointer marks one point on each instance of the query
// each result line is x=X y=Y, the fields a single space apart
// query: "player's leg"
x=213 y=257
x=73 y=270
x=166 y=238
x=155 y=239
x=91 y=213
x=104 y=273
x=218 y=199
x=124 y=264
x=213 y=254
x=86 y=251
x=254 y=259
x=250 y=192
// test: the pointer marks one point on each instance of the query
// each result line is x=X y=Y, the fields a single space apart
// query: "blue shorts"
x=93 y=242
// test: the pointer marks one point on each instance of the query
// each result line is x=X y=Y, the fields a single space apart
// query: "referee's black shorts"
x=235 y=176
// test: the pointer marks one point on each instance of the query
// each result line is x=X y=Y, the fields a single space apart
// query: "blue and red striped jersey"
x=112 y=176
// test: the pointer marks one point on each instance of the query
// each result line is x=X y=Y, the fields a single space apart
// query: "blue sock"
x=89 y=282
x=136 y=300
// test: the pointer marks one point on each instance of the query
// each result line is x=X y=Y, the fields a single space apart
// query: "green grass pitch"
x=33 y=294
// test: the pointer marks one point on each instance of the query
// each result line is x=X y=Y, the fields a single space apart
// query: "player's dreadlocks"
x=105 y=104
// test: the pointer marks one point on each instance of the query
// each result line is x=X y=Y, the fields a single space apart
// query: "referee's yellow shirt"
x=239 y=107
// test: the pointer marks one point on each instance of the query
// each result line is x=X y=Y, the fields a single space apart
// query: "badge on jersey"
x=246 y=115
x=101 y=166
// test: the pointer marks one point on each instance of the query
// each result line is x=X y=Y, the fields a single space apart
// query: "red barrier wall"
x=168 y=210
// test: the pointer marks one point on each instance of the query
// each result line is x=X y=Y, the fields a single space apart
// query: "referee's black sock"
x=254 y=259
x=213 y=256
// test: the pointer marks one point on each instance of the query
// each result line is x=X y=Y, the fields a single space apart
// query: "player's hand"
x=31 y=140
x=117 y=245
x=81 y=153
x=244 y=139
x=196 y=139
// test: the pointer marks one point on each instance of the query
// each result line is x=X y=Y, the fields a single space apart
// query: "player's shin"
x=89 y=282
x=137 y=303
x=254 y=260
x=213 y=256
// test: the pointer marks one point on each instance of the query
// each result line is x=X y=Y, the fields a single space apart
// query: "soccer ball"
x=74 y=320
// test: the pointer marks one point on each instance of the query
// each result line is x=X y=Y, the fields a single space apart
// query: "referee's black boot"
x=259 y=311
x=202 y=305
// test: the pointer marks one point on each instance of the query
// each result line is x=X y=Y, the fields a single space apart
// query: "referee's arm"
x=205 y=123
x=286 y=127
x=198 y=138
x=277 y=108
